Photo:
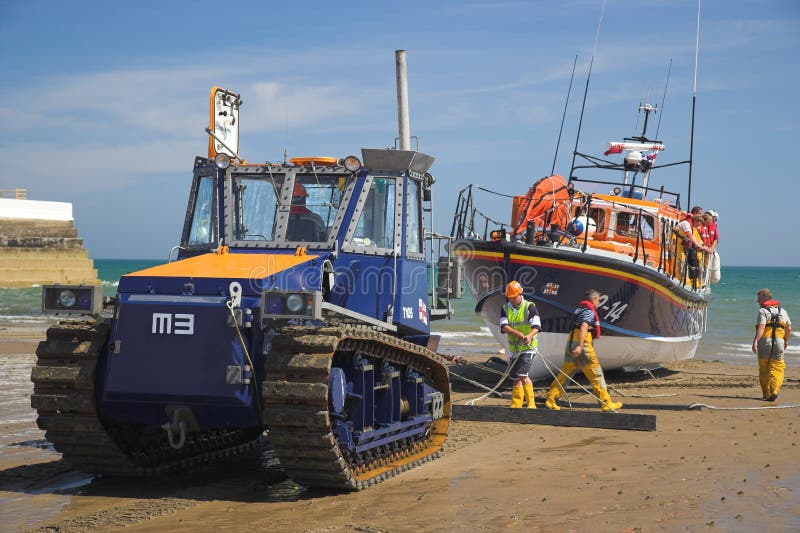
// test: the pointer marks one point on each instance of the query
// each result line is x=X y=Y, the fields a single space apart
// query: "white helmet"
x=713 y=213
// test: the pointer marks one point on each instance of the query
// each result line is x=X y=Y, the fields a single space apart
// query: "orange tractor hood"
x=226 y=265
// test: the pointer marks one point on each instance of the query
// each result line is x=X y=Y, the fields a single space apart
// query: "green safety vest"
x=519 y=319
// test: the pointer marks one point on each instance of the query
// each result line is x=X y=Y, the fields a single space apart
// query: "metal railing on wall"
x=16 y=194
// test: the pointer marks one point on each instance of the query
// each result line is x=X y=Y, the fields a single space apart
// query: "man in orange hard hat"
x=299 y=195
x=304 y=224
x=519 y=319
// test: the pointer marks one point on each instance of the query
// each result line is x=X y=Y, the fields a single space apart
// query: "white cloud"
x=269 y=104
x=57 y=170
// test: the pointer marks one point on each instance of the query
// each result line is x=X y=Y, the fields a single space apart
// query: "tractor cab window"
x=256 y=207
x=202 y=230
x=315 y=202
x=375 y=227
x=414 y=218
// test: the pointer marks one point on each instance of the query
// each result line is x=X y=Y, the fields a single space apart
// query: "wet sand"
x=701 y=470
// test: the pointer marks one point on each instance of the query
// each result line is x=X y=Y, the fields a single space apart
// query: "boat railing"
x=671 y=261
x=599 y=163
x=14 y=194
x=469 y=222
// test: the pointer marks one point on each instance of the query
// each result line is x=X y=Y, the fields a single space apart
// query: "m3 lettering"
x=172 y=324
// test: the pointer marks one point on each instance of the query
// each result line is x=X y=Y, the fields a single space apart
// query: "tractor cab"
x=360 y=221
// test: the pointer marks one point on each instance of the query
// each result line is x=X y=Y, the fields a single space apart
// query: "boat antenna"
x=664 y=98
x=586 y=90
x=694 y=101
x=566 y=103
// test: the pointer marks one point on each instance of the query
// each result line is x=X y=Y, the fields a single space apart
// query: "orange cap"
x=513 y=289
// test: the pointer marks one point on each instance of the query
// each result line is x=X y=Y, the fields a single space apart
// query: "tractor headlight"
x=291 y=304
x=72 y=299
x=352 y=163
x=67 y=298
x=294 y=303
x=222 y=161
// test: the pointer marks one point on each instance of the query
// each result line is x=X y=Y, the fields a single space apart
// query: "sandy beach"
x=729 y=469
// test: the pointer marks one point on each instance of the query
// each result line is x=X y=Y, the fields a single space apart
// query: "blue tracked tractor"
x=298 y=307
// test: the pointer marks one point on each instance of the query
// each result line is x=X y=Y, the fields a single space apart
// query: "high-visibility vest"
x=519 y=319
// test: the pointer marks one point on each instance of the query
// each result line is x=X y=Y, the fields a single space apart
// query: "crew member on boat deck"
x=691 y=243
x=773 y=329
x=519 y=319
x=705 y=233
x=580 y=355
x=713 y=231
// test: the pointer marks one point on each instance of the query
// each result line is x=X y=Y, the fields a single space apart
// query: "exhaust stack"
x=402 y=99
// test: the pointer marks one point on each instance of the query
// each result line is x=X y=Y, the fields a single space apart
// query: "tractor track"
x=64 y=397
x=295 y=399
x=296 y=406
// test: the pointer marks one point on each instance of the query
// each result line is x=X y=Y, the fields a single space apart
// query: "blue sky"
x=105 y=102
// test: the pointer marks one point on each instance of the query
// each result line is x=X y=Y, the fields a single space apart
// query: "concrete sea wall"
x=34 y=251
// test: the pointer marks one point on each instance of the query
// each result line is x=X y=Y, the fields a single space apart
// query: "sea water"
x=729 y=335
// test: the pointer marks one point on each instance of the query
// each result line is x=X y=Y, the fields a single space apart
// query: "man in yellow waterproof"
x=580 y=354
x=519 y=319
x=773 y=329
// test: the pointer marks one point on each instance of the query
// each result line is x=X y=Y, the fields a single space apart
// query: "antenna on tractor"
x=285 y=136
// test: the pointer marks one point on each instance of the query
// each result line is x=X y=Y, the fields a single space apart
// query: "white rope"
x=584 y=389
x=494 y=389
x=471 y=382
x=712 y=407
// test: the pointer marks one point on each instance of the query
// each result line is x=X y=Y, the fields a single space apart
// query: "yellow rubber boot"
x=516 y=396
x=606 y=404
x=529 y=399
x=552 y=395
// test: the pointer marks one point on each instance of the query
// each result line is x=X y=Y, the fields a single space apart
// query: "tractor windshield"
x=308 y=216
x=315 y=202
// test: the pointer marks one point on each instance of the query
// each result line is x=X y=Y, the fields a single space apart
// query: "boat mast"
x=647 y=108
x=664 y=98
x=586 y=91
x=694 y=101
x=564 y=115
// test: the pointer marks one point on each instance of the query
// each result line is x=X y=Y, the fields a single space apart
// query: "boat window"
x=413 y=240
x=375 y=227
x=202 y=230
x=627 y=223
x=256 y=207
x=599 y=216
